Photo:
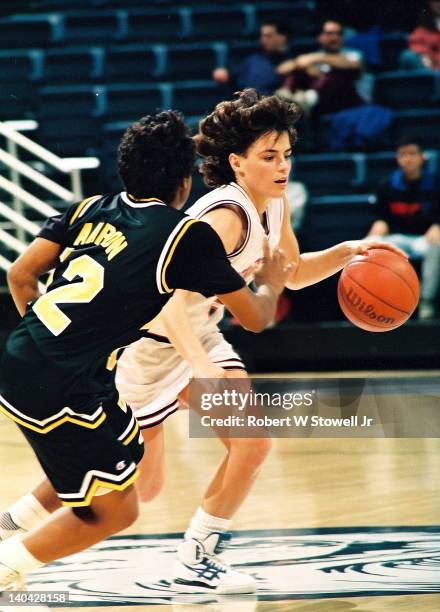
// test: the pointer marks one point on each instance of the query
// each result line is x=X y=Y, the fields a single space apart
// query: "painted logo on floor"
x=287 y=564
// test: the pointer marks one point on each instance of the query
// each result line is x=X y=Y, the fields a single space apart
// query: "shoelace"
x=217 y=563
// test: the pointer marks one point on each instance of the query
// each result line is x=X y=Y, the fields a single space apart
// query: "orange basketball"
x=378 y=291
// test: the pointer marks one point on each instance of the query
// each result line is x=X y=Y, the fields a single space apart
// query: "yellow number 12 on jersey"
x=92 y=281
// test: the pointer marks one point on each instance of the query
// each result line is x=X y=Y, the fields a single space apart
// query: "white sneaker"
x=10 y=580
x=7 y=526
x=199 y=570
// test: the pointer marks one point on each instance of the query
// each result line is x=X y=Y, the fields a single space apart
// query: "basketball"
x=378 y=291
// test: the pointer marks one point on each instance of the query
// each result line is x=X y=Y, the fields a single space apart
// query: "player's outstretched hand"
x=360 y=247
x=274 y=270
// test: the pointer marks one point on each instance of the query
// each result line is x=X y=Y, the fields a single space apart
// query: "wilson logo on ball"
x=367 y=309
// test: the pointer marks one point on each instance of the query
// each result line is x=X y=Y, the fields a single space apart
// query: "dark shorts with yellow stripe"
x=85 y=450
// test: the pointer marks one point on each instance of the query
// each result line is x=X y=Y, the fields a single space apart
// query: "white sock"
x=28 y=513
x=15 y=555
x=202 y=524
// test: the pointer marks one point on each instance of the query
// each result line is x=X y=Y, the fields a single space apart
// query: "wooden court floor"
x=305 y=483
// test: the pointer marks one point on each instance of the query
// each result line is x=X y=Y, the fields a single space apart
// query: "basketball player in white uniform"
x=246 y=145
x=153 y=373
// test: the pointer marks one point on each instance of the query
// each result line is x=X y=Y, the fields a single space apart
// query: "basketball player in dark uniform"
x=117 y=259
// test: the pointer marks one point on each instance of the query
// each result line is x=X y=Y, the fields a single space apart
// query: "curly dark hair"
x=235 y=125
x=155 y=154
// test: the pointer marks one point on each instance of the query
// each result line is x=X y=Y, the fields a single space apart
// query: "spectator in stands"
x=331 y=72
x=424 y=42
x=258 y=70
x=408 y=215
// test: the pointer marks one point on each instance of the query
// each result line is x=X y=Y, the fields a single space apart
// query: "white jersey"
x=204 y=313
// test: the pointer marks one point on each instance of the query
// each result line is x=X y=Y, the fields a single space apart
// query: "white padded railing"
x=15 y=210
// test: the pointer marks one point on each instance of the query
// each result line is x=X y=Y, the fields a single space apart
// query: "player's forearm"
x=340 y=61
x=315 y=267
x=265 y=303
x=24 y=289
x=179 y=331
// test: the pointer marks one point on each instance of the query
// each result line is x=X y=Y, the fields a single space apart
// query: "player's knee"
x=253 y=451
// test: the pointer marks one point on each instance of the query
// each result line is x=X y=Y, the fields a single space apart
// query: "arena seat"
x=197 y=97
x=18 y=70
x=220 y=23
x=333 y=219
x=401 y=89
x=72 y=65
x=129 y=102
x=93 y=28
x=196 y=61
x=378 y=167
x=329 y=174
x=126 y=63
x=424 y=124
x=111 y=136
x=29 y=30
x=69 y=118
x=392 y=45
x=150 y=26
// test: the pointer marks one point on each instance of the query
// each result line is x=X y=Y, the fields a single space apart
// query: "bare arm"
x=315 y=267
x=174 y=317
x=338 y=60
x=41 y=256
x=256 y=310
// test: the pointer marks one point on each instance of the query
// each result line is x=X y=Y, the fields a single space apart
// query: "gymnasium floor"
x=331 y=525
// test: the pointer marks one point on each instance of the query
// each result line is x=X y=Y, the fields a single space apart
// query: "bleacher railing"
x=14 y=233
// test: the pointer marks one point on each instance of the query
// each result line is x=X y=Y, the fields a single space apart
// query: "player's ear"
x=235 y=162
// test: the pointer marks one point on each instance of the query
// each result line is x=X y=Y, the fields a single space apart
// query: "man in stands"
x=330 y=73
x=408 y=216
x=258 y=70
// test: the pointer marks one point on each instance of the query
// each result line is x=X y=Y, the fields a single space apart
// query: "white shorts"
x=150 y=374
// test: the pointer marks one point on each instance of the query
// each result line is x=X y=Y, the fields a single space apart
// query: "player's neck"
x=260 y=201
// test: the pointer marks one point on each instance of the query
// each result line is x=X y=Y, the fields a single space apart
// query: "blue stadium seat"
x=111 y=136
x=192 y=61
x=17 y=100
x=220 y=23
x=392 y=45
x=69 y=118
x=300 y=16
x=127 y=63
x=73 y=65
x=328 y=174
x=130 y=102
x=29 y=30
x=20 y=65
x=93 y=28
x=156 y=26
x=400 y=90
x=18 y=70
x=198 y=97
x=378 y=167
x=71 y=101
x=333 y=219
x=423 y=124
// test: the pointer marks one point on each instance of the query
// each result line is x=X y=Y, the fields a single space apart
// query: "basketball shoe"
x=198 y=569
